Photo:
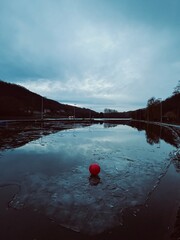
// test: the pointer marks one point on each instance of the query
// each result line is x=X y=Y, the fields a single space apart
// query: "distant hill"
x=17 y=101
x=167 y=110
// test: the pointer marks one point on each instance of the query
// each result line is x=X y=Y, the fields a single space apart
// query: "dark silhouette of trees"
x=153 y=110
x=17 y=101
x=177 y=89
x=167 y=110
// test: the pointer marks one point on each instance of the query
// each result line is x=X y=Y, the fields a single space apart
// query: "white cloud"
x=69 y=52
x=111 y=66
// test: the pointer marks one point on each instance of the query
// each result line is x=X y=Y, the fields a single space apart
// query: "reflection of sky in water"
x=53 y=172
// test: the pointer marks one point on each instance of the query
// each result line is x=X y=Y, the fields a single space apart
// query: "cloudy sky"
x=93 y=53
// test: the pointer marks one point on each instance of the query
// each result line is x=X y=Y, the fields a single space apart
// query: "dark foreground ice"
x=130 y=170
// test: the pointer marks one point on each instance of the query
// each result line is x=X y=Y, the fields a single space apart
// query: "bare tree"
x=177 y=89
x=153 y=102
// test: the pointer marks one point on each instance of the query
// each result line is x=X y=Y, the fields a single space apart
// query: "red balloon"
x=94 y=169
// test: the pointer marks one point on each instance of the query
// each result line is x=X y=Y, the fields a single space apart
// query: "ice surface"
x=130 y=170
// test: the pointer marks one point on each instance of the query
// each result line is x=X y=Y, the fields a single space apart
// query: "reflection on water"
x=155 y=132
x=175 y=156
x=94 y=180
x=53 y=169
x=13 y=135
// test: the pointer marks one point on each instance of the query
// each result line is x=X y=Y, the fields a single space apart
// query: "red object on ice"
x=94 y=169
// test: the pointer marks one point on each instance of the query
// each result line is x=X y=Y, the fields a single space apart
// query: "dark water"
x=49 y=164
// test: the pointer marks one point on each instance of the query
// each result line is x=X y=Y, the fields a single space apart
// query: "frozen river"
x=50 y=164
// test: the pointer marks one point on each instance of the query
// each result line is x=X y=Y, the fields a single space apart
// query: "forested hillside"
x=167 y=110
x=162 y=111
x=17 y=101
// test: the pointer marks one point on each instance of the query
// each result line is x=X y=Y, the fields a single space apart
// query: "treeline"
x=17 y=101
x=160 y=111
x=167 y=110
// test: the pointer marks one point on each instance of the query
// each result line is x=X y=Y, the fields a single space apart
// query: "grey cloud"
x=102 y=50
